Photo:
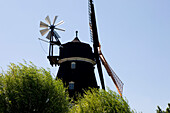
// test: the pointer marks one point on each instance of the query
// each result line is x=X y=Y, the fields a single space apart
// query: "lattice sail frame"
x=118 y=83
x=90 y=23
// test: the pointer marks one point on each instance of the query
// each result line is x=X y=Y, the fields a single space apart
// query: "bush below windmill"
x=24 y=88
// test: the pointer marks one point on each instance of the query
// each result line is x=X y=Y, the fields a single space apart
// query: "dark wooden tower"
x=77 y=66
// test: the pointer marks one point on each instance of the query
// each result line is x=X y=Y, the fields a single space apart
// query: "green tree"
x=159 y=110
x=24 y=88
x=100 y=101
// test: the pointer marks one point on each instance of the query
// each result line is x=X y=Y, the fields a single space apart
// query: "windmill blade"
x=49 y=35
x=118 y=83
x=60 y=29
x=61 y=22
x=55 y=18
x=92 y=20
x=58 y=43
x=43 y=25
x=56 y=35
x=48 y=20
x=44 y=31
x=93 y=24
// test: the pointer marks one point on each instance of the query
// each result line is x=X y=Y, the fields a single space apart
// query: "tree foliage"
x=100 y=101
x=25 y=89
x=159 y=110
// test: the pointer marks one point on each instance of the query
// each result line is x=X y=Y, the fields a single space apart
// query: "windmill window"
x=71 y=85
x=73 y=65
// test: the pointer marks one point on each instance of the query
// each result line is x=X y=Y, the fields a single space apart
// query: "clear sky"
x=134 y=34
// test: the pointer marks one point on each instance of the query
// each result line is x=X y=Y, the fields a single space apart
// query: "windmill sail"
x=95 y=40
x=98 y=54
x=118 y=83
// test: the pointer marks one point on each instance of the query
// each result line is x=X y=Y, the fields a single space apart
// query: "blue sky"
x=134 y=35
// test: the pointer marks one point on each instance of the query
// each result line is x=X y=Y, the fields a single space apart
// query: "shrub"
x=24 y=89
x=100 y=101
x=159 y=110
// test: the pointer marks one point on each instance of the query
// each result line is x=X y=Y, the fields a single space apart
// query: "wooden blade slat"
x=61 y=22
x=43 y=25
x=49 y=35
x=55 y=18
x=44 y=31
x=56 y=35
x=60 y=29
x=48 y=20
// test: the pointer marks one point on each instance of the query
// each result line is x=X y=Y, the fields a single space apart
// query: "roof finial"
x=76 y=33
x=76 y=39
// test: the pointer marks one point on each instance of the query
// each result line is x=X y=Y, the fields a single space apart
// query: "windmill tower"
x=77 y=66
x=76 y=59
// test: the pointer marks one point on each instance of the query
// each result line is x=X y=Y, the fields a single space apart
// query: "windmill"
x=52 y=35
x=77 y=60
x=98 y=54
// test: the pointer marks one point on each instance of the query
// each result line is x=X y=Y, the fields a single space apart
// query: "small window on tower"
x=71 y=85
x=73 y=65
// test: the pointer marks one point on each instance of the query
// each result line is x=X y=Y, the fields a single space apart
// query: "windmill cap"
x=76 y=40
